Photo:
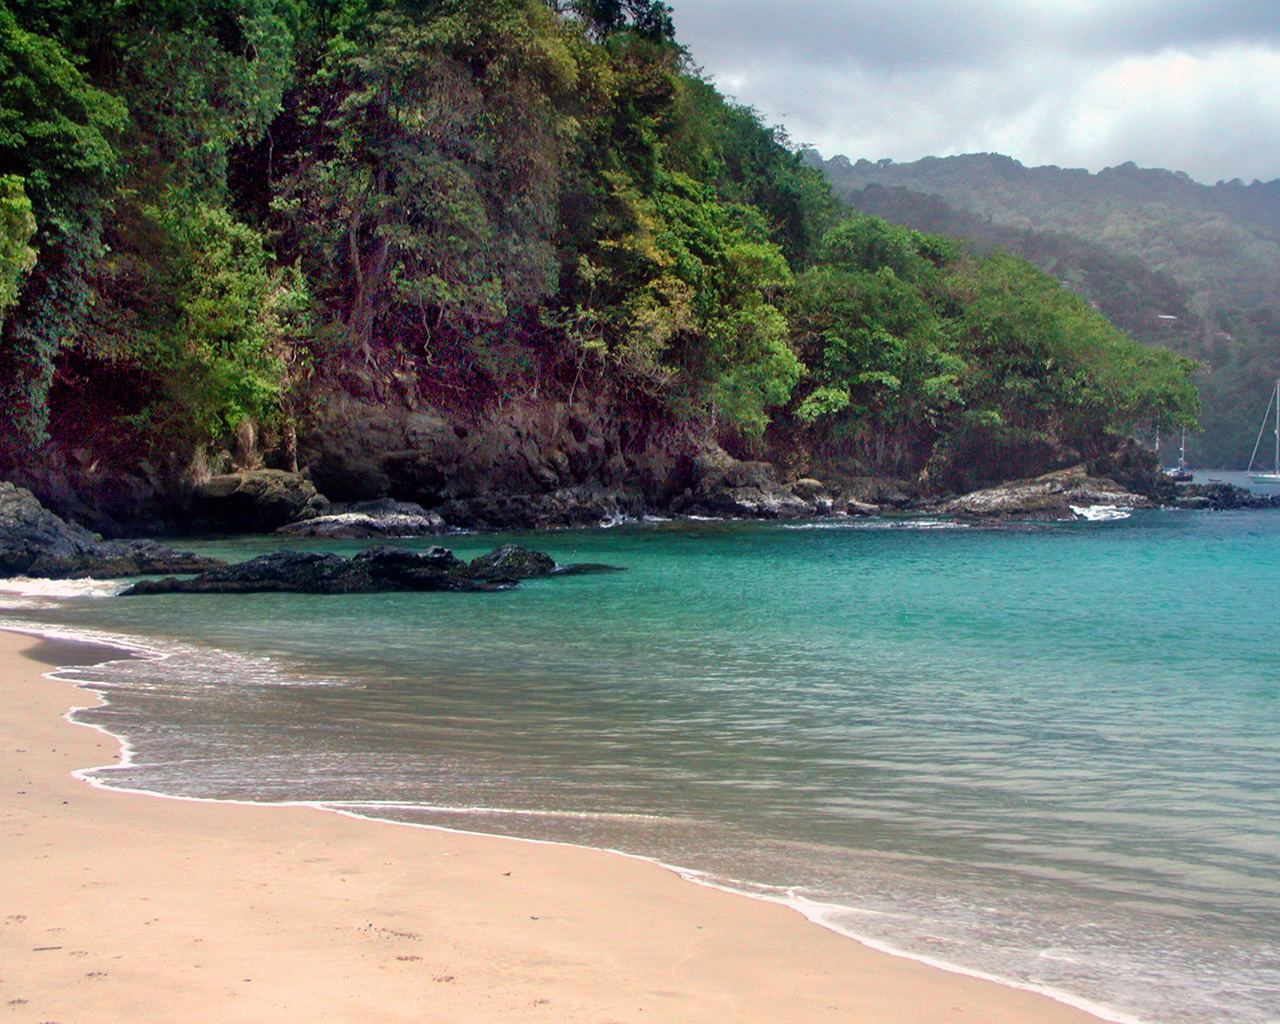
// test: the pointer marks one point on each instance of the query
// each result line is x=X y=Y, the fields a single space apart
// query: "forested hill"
x=452 y=233
x=1145 y=246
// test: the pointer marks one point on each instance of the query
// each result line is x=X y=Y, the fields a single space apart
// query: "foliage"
x=220 y=336
x=57 y=153
x=1178 y=264
x=954 y=359
x=17 y=228
x=488 y=199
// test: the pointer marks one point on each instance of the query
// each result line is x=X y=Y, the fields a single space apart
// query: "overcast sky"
x=1189 y=85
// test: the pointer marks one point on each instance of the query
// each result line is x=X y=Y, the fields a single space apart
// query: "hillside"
x=471 y=254
x=1174 y=262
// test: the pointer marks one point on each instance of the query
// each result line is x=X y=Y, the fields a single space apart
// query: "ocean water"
x=1048 y=754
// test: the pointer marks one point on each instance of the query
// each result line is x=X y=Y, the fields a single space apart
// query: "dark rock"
x=310 y=572
x=436 y=568
x=585 y=569
x=35 y=542
x=374 y=570
x=1221 y=497
x=566 y=507
x=385 y=518
x=512 y=562
x=724 y=486
x=254 y=501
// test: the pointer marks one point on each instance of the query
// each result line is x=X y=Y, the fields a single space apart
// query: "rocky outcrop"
x=385 y=518
x=724 y=486
x=357 y=449
x=512 y=562
x=138 y=496
x=537 y=465
x=1219 y=497
x=1054 y=496
x=375 y=570
x=567 y=506
x=253 y=501
x=35 y=542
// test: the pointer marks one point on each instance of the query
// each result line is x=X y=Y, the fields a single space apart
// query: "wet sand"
x=119 y=908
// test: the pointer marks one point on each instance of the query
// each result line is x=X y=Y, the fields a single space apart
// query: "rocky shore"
x=377 y=467
x=35 y=541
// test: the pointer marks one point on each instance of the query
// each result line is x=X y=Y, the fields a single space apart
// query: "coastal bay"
x=1035 y=752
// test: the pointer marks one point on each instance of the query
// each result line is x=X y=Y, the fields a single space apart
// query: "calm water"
x=1051 y=755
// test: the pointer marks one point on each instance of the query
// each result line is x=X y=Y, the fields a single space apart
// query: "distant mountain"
x=1174 y=262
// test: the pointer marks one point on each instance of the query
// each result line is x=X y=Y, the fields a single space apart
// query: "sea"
x=1045 y=753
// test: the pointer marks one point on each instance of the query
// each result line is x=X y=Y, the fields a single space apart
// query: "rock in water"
x=1051 y=496
x=375 y=570
x=512 y=562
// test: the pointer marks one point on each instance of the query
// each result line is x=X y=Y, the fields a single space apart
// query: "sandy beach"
x=118 y=908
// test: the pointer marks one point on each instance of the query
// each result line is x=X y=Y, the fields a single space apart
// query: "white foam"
x=876 y=523
x=26 y=592
x=1101 y=513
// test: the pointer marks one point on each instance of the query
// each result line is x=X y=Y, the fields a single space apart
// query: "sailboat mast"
x=1276 y=464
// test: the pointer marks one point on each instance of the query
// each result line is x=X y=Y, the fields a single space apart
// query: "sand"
x=119 y=908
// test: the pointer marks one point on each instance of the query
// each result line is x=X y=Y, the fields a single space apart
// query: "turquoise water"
x=1047 y=754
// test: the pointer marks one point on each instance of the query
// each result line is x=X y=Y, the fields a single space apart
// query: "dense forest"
x=217 y=213
x=1174 y=262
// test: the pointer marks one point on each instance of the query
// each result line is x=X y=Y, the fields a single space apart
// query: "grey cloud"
x=1043 y=81
x=897 y=36
x=869 y=33
x=1156 y=24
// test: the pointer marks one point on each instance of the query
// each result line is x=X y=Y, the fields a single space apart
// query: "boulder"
x=254 y=500
x=725 y=486
x=512 y=562
x=1051 y=496
x=35 y=542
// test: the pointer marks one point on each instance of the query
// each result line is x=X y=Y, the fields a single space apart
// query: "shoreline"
x=135 y=907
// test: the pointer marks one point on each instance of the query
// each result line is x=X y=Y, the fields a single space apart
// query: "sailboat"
x=1272 y=476
x=1181 y=473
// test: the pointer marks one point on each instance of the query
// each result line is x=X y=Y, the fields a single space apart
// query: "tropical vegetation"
x=209 y=209
x=1176 y=263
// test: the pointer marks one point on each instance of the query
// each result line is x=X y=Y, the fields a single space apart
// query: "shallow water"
x=1048 y=754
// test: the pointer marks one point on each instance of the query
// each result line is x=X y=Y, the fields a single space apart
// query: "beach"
x=120 y=907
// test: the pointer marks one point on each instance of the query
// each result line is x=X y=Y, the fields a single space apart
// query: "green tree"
x=222 y=329
x=57 y=142
x=429 y=198
x=17 y=228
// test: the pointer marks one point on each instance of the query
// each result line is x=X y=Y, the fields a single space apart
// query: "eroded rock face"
x=549 y=464
x=358 y=450
x=35 y=542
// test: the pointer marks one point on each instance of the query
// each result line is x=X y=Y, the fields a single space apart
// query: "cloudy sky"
x=1189 y=85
